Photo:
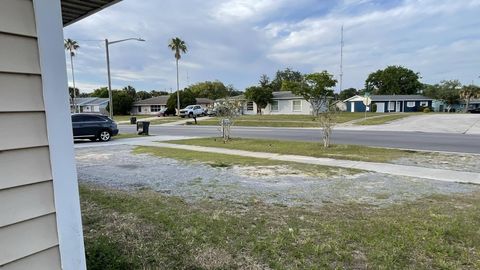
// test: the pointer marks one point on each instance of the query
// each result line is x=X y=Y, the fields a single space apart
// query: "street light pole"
x=110 y=98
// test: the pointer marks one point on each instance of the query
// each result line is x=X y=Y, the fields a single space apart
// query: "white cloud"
x=237 y=40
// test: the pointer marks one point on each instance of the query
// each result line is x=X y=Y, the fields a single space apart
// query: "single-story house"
x=283 y=102
x=389 y=103
x=89 y=105
x=155 y=104
x=40 y=220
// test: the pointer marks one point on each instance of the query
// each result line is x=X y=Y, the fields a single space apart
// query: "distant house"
x=390 y=103
x=283 y=102
x=89 y=105
x=156 y=104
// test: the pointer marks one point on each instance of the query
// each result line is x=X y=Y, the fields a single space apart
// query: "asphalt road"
x=449 y=142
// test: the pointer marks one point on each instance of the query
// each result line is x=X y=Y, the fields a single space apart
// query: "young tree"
x=130 y=90
x=227 y=109
x=394 y=80
x=316 y=88
x=72 y=46
x=468 y=92
x=260 y=95
x=328 y=120
x=178 y=46
x=156 y=93
x=100 y=92
x=122 y=102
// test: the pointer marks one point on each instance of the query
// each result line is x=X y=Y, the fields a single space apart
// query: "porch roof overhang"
x=75 y=10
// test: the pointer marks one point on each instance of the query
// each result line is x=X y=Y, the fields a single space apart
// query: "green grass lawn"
x=164 y=120
x=147 y=230
x=383 y=119
x=118 y=118
x=221 y=160
x=127 y=136
x=350 y=152
x=285 y=120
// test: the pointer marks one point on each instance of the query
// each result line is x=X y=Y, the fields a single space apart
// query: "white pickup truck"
x=192 y=110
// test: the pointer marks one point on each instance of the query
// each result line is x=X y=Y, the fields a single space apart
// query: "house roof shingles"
x=91 y=101
x=162 y=100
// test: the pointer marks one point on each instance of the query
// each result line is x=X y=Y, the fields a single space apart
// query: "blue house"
x=390 y=103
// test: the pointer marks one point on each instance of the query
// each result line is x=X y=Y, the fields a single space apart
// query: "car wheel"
x=105 y=136
x=190 y=115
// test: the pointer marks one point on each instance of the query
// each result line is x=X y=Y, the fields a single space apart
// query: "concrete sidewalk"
x=393 y=169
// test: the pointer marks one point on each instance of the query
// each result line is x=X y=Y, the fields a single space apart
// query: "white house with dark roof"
x=89 y=105
x=390 y=103
x=283 y=102
x=156 y=104
x=40 y=218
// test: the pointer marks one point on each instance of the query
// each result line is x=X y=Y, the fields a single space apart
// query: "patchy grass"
x=118 y=118
x=382 y=119
x=285 y=120
x=222 y=160
x=349 y=152
x=146 y=230
x=127 y=136
x=164 y=120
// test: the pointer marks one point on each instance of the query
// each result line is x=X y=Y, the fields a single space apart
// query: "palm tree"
x=71 y=46
x=178 y=46
x=468 y=92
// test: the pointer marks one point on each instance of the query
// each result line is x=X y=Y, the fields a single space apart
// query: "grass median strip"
x=223 y=160
x=146 y=230
x=312 y=149
x=382 y=120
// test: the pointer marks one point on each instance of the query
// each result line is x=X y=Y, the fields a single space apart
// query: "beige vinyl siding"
x=26 y=202
x=27 y=238
x=44 y=260
x=20 y=92
x=28 y=228
x=24 y=166
x=11 y=22
x=19 y=54
x=21 y=130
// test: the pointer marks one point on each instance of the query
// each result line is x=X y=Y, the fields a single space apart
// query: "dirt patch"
x=267 y=171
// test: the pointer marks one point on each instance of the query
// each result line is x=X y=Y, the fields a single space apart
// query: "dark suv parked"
x=93 y=127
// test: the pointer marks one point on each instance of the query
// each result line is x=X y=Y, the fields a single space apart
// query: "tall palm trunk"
x=74 y=89
x=178 y=91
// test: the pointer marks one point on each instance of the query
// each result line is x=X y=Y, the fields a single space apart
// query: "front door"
x=398 y=108
x=352 y=106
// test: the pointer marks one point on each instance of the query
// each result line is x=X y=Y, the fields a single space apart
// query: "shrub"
x=426 y=110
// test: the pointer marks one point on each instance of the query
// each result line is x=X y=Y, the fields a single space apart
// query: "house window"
x=155 y=108
x=250 y=106
x=274 y=105
x=411 y=104
x=391 y=105
x=297 y=105
x=423 y=103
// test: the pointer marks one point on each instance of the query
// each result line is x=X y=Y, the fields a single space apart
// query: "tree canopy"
x=347 y=93
x=260 y=95
x=447 y=91
x=186 y=98
x=468 y=92
x=315 y=88
x=285 y=75
x=212 y=90
x=393 y=80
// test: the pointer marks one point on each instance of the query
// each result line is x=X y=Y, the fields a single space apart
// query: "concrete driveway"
x=436 y=123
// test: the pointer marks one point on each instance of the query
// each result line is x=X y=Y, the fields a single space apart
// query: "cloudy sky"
x=235 y=41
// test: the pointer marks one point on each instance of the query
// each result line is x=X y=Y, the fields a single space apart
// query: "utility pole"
x=341 y=60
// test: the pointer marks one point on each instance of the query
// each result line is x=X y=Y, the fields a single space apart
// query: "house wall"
x=144 y=109
x=28 y=228
x=285 y=106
